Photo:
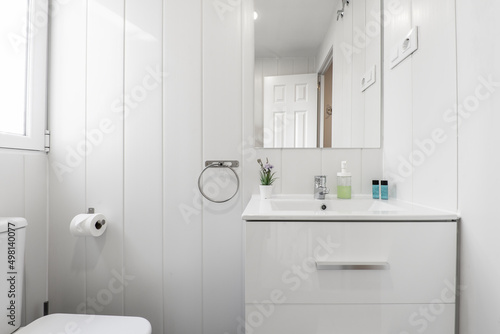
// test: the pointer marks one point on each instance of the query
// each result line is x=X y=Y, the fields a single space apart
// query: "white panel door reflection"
x=290 y=110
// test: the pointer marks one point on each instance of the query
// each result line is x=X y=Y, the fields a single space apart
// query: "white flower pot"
x=266 y=191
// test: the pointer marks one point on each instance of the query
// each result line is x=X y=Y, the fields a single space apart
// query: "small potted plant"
x=267 y=178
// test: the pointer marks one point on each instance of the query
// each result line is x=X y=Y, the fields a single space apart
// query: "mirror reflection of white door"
x=290 y=110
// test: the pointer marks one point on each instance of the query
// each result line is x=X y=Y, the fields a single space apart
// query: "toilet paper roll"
x=88 y=225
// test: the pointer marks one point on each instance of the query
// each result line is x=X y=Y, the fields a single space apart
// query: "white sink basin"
x=304 y=207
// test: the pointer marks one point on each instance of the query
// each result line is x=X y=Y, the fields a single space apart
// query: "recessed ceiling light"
x=255 y=15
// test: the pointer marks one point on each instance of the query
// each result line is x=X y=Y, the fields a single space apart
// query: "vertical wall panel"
x=478 y=163
x=23 y=184
x=183 y=160
x=270 y=67
x=398 y=108
x=358 y=71
x=36 y=261
x=104 y=126
x=345 y=141
x=373 y=96
x=301 y=66
x=419 y=167
x=222 y=136
x=67 y=156
x=247 y=149
x=304 y=65
x=285 y=65
x=252 y=73
x=434 y=62
x=12 y=185
x=12 y=194
x=143 y=228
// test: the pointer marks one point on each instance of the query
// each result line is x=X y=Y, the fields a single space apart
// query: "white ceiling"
x=292 y=28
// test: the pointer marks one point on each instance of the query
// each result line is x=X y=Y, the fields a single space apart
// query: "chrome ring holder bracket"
x=220 y=164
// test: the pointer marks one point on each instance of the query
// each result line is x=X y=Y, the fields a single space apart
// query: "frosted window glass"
x=13 y=65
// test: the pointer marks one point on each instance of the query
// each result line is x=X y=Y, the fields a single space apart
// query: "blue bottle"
x=376 y=189
x=384 y=189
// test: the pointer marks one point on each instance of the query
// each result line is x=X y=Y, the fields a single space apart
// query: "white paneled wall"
x=143 y=92
x=420 y=146
x=135 y=109
x=103 y=164
x=441 y=110
x=373 y=102
x=182 y=233
x=23 y=181
x=296 y=169
x=107 y=153
x=222 y=133
x=398 y=108
x=435 y=62
x=67 y=121
x=479 y=163
x=143 y=161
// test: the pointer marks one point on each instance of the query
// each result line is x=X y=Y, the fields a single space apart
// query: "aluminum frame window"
x=25 y=40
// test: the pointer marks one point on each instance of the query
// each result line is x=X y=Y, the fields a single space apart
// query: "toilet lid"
x=87 y=324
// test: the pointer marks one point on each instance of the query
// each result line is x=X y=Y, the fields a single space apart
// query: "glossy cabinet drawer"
x=351 y=319
x=355 y=262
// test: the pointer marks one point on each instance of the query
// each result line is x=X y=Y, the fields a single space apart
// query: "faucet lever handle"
x=320 y=180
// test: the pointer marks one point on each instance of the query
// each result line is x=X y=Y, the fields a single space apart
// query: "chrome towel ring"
x=219 y=164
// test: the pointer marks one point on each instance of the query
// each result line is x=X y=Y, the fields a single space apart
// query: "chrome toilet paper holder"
x=100 y=223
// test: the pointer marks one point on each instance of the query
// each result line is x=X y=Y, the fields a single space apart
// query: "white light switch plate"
x=405 y=48
x=368 y=79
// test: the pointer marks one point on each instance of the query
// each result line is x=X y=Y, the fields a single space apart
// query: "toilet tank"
x=12 y=244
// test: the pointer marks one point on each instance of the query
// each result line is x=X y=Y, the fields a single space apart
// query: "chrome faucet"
x=320 y=189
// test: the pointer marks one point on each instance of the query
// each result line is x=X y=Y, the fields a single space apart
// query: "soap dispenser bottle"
x=343 y=182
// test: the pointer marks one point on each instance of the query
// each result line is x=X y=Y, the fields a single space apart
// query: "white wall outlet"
x=368 y=79
x=405 y=48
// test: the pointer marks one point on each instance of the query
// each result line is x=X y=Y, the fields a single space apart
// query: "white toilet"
x=12 y=244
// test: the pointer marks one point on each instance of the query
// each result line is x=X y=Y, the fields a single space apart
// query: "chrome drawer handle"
x=325 y=265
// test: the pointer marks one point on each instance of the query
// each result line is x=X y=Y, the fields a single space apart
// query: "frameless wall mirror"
x=317 y=73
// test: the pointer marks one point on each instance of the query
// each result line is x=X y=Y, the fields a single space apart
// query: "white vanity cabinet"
x=350 y=277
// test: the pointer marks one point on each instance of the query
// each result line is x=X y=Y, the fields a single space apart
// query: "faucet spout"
x=320 y=189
